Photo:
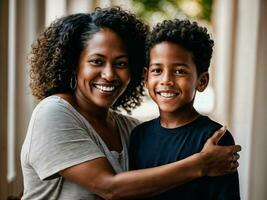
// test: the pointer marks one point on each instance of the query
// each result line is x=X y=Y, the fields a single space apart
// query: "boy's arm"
x=226 y=187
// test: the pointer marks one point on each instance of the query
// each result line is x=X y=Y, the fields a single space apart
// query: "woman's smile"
x=103 y=72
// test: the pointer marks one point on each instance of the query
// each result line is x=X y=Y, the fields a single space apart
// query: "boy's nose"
x=108 y=72
x=166 y=79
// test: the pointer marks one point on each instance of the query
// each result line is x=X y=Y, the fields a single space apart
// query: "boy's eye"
x=180 y=71
x=155 y=70
x=96 y=62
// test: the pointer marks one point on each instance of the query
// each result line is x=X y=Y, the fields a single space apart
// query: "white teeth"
x=167 y=95
x=105 y=88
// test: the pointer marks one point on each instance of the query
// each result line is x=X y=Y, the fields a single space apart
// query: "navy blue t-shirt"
x=152 y=145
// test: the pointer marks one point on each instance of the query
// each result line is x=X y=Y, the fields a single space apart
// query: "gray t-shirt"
x=59 y=137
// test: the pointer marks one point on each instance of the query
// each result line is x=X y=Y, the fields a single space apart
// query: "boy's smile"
x=172 y=78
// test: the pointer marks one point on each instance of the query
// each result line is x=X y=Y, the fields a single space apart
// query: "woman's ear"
x=203 y=81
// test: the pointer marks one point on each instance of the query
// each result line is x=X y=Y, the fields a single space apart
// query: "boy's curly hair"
x=55 y=54
x=189 y=35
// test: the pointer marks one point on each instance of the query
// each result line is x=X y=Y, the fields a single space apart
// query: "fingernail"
x=223 y=128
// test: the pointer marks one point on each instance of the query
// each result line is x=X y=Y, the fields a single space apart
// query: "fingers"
x=235 y=157
x=234 y=160
x=234 y=166
x=236 y=148
x=217 y=135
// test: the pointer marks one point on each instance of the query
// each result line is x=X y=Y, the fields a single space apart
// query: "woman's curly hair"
x=189 y=35
x=55 y=54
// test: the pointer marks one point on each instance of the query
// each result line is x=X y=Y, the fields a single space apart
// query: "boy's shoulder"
x=209 y=127
x=144 y=126
x=206 y=123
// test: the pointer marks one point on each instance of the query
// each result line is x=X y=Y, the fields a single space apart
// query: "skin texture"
x=102 y=76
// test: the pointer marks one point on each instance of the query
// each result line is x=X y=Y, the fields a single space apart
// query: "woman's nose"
x=108 y=72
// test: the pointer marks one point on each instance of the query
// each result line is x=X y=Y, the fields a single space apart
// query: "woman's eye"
x=96 y=62
x=121 y=64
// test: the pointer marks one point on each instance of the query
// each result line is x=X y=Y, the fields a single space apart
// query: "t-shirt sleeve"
x=225 y=187
x=59 y=140
x=227 y=139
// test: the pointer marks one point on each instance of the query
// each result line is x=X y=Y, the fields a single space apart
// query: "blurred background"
x=236 y=95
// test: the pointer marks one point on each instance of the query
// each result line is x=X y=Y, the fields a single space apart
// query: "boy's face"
x=171 y=77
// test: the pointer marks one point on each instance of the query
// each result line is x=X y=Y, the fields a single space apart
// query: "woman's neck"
x=100 y=119
x=90 y=112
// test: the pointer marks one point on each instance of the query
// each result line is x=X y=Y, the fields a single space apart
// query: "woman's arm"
x=98 y=177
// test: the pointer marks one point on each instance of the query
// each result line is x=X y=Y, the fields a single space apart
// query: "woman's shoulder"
x=52 y=102
x=54 y=107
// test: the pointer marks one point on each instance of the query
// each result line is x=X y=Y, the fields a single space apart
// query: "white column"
x=11 y=95
x=27 y=19
x=104 y=3
x=241 y=94
x=222 y=66
x=258 y=165
x=54 y=9
x=80 y=6
x=244 y=81
x=26 y=24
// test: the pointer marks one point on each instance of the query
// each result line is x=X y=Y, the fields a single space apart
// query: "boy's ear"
x=203 y=81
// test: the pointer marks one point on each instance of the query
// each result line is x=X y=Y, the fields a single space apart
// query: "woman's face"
x=103 y=72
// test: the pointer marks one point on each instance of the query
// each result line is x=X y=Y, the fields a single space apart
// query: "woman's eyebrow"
x=122 y=56
x=103 y=56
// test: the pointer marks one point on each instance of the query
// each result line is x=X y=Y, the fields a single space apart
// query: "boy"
x=179 y=54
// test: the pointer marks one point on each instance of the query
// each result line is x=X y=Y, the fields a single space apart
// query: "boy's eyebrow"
x=176 y=64
x=157 y=64
x=182 y=64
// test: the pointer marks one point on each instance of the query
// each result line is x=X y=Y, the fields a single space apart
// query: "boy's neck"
x=177 y=119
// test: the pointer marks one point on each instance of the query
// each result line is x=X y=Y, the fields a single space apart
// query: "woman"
x=83 y=67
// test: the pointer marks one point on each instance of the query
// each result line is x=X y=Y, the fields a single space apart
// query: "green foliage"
x=168 y=9
x=207 y=9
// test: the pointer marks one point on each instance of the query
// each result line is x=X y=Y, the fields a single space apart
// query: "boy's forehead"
x=170 y=47
x=170 y=52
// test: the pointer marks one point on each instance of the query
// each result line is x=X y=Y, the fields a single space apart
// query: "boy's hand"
x=219 y=160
